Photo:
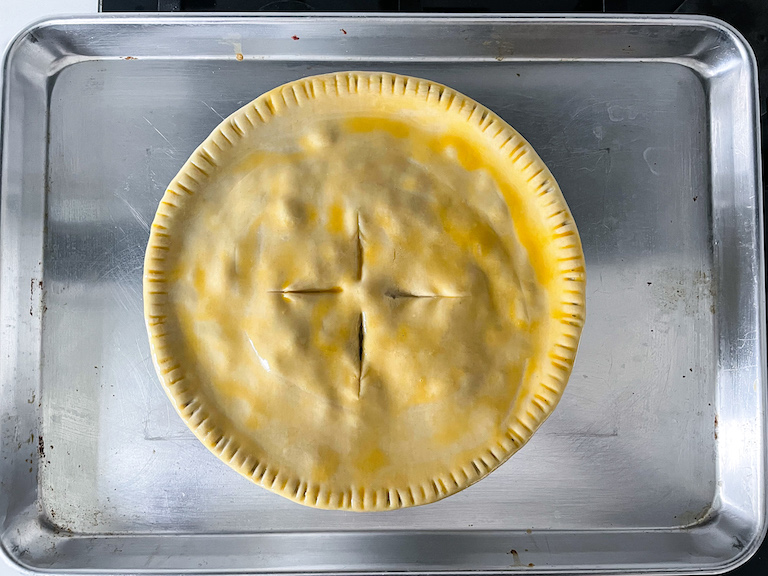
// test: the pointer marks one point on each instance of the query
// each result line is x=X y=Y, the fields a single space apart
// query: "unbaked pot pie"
x=364 y=291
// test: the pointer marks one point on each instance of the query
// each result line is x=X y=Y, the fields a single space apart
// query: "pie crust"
x=364 y=291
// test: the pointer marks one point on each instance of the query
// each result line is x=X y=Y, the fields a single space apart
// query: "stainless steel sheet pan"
x=655 y=458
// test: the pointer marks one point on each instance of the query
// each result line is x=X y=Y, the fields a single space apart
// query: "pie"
x=364 y=291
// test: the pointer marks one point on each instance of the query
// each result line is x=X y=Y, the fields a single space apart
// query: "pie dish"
x=364 y=291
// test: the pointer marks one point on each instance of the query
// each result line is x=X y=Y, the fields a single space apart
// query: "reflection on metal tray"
x=655 y=459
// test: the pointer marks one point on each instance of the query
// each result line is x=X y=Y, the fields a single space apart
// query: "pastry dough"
x=364 y=291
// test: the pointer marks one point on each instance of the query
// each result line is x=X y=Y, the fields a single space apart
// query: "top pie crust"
x=364 y=291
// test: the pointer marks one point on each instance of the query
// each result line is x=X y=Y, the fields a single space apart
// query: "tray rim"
x=539 y=17
x=9 y=560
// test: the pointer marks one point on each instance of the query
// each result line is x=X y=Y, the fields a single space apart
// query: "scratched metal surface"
x=654 y=458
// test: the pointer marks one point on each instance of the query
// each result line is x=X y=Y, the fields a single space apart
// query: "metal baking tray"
x=655 y=458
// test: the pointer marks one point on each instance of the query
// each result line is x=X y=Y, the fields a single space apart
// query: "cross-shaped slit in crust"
x=330 y=290
x=393 y=293
x=396 y=293
x=360 y=352
x=359 y=250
